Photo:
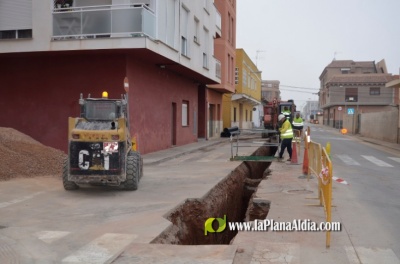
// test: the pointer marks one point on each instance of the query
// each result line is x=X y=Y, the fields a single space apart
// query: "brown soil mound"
x=22 y=156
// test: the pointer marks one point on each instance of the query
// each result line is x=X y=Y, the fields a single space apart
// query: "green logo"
x=209 y=228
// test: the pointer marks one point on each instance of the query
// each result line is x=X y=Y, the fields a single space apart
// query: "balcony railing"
x=103 y=21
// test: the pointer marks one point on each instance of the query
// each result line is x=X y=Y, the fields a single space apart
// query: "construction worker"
x=286 y=133
x=298 y=125
x=286 y=112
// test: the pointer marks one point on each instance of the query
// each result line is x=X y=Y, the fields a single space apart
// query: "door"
x=211 y=121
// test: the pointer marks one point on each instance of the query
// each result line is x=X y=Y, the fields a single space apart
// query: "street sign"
x=339 y=108
x=350 y=111
x=126 y=84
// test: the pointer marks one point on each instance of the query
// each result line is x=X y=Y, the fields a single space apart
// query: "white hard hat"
x=280 y=117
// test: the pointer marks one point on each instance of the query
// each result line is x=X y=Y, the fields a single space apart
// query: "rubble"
x=22 y=156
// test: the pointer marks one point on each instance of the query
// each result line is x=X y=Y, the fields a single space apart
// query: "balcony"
x=103 y=22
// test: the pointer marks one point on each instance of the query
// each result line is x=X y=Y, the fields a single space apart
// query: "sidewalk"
x=175 y=152
x=291 y=197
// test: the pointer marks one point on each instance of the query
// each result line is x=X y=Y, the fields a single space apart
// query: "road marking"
x=371 y=255
x=339 y=180
x=101 y=250
x=18 y=200
x=376 y=161
x=395 y=159
x=51 y=236
x=346 y=159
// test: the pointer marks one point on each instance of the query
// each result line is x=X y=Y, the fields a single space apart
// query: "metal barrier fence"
x=320 y=164
x=244 y=138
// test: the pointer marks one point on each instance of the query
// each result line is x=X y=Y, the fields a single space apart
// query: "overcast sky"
x=296 y=39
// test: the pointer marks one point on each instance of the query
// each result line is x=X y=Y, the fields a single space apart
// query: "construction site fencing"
x=320 y=165
x=250 y=138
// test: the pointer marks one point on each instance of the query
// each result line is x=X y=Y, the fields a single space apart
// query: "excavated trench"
x=232 y=196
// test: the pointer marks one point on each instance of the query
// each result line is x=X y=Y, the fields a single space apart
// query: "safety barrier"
x=320 y=165
x=242 y=138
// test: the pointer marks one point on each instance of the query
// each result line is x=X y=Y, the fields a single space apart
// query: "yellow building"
x=243 y=107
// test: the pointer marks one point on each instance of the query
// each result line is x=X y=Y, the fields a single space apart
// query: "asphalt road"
x=370 y=205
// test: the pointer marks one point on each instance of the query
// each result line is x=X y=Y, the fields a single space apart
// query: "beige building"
x=395 y=85
x=270 y=90
x=353 y=94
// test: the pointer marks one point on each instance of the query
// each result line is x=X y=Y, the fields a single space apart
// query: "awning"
x=245 y=99
x=393 y=84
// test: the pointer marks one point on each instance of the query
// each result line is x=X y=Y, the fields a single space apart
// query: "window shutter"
x=15 y=14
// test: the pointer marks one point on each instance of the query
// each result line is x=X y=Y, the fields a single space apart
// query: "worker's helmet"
x=280 y=117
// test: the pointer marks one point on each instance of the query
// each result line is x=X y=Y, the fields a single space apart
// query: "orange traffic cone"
x=294 y=160
x=305 y=161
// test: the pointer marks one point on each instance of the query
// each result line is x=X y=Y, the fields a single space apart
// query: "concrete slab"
x=177 y=254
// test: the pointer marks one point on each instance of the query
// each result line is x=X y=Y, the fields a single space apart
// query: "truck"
x=271 y=112
x=100 y=148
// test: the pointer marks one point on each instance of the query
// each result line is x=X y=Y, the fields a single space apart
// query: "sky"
x=292 y=41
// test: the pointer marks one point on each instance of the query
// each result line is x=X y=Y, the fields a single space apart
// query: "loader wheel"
x=132 y=171
x=68 y=185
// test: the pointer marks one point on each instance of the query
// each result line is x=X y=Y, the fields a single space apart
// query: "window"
x=234 y=114
x=205 y=48
x=196 y=37
x=351 y=95
x=244 y=81
x=15 y=19
x=184 y=49
x=345 y=70
x=246 y=115
x=236 y=75
x=16 y=34
x=374 y=91
x=185 y=113
x=206 y=6
x=184 y=38
x=231 y=70
x=205 y=61
x=229 y=28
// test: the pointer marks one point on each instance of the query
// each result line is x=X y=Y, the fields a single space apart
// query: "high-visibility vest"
x=298 y=122
x=286 y=130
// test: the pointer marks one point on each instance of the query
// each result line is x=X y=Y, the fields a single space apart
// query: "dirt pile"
x=22 y=156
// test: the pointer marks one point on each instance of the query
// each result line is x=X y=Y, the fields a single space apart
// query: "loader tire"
x=132 y=171
x=141 y=167
x=68 y=185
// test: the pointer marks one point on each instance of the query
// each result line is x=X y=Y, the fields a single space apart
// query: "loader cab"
x=103 y=109
x=100 y=109
x=288 y=109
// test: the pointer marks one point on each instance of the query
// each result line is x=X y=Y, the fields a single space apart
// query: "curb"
x=182 y=153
